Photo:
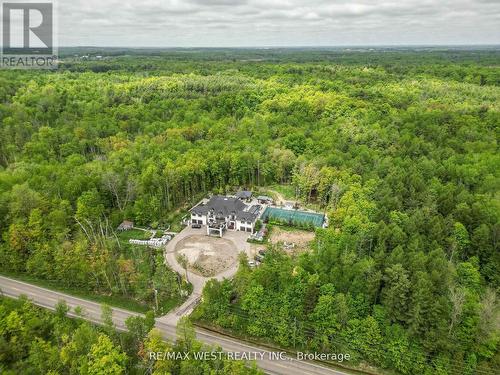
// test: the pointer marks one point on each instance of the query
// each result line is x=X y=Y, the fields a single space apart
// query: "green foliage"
x=104 y=358
x=36 y=341
x=399 y=148
x=258 y=225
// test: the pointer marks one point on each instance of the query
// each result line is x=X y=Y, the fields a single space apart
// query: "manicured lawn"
x=135 y=234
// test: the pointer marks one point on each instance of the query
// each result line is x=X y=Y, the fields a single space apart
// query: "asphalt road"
x=48 y=299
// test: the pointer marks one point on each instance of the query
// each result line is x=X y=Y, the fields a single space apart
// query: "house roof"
x=225 y=206
x=264 y=198
x=246 y=216
x=244 y=194
x=126 y=224
x=255 y=209
x=220 y=205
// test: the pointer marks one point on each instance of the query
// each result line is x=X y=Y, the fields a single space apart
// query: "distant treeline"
x=399 y=148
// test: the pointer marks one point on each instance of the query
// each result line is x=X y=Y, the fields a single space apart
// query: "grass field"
x=115 y=301
x=287 y=191
x=135 y=234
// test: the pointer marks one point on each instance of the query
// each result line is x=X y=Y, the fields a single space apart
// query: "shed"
x=264 y=199
x=244 y=194
x=126 y=225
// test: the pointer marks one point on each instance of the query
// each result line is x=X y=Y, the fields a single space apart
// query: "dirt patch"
x=295 y=240
x=207 y=256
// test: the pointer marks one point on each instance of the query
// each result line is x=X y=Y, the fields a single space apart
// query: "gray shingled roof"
x=244 y=194
x=264 y=198
x=220 y=205
x=245 y=216
x=255 y=209
x=225 y=206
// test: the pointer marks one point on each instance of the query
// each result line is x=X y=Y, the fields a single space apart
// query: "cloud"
x=231 y=3
x=277 y=22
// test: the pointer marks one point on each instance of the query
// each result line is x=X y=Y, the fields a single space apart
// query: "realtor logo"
x=28 y=35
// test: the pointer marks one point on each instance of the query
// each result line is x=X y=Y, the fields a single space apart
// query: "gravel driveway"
x=198 y=281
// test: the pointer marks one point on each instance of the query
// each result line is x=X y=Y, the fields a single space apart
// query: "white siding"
x=244 y=226
x=197 y=218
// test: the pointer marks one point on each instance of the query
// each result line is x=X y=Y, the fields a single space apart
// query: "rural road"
x=48 y=299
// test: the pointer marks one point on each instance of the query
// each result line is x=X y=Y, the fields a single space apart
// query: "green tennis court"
x=293 y=216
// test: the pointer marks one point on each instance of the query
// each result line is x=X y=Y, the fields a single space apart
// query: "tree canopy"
x=399 y=148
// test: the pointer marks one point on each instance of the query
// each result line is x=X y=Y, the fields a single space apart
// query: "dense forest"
x=36 y=341
x=400 y=148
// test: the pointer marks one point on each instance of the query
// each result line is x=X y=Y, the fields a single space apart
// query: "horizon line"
x=291 y=46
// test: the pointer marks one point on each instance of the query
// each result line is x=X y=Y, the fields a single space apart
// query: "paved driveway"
x=239 y=240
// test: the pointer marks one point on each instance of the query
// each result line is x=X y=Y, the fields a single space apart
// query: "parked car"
x=262 y=252
x=259 y=258
x=196 y=226
x=251 y=263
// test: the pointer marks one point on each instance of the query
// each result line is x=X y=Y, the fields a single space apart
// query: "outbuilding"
x=126 y=225
x=264 y=199
x=244 y=195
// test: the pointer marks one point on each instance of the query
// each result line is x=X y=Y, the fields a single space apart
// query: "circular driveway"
x=207 y=256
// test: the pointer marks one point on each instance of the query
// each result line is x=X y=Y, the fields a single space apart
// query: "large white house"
x=222 y=213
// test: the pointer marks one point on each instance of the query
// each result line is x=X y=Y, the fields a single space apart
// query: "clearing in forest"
x=300 y=238
x=207 y=256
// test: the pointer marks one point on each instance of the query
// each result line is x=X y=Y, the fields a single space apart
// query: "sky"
x=266 y=23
